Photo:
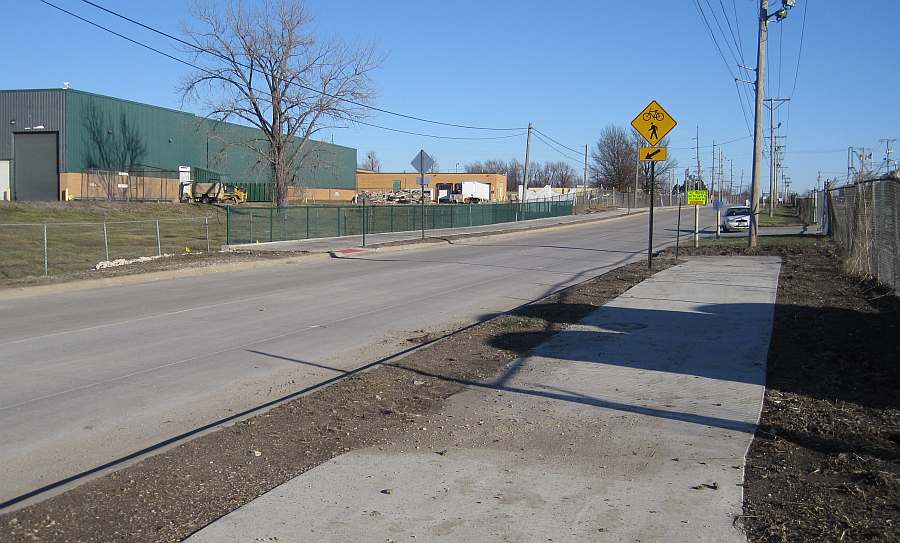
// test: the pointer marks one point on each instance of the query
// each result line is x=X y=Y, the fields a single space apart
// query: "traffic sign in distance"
x=422 y=162
x=696 y=197
x=654 y=153
x=653 y=123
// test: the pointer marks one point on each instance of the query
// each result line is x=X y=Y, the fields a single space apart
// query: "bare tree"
x=371 y=163
x=262 y=65
x=613 y=158
x=435 y=167
x=512 y=168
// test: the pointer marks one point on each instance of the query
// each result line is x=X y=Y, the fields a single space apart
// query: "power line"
x=722 y=31
x=726 y=142
x=550 y=145
x=800 y=49
x=712 y=36
x=186 y=63
x=780 y=52
x=556 y=142
x=214 y=53
x=520 y=134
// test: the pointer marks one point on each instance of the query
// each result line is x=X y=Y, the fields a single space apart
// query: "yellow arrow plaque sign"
x=654 y=153
x=653 y=123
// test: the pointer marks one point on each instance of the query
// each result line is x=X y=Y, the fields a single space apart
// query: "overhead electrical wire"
x=310 y=89
x=507 y=136
x=550 y=145
x=712 y=36
x=196 y=67
x=800 y=49
x=577 y=151
x=726 y=142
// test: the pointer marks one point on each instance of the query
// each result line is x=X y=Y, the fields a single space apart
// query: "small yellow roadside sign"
x=653 y=123
x=654 y=153
x=696 y=197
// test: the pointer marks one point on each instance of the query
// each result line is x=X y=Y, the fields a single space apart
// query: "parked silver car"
x=736 y=218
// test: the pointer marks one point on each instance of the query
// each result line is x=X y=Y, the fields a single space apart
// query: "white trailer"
x=474 y=192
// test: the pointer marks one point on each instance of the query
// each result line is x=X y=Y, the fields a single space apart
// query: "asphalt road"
x=92 y=376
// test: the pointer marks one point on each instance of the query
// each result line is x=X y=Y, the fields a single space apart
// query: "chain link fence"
x=55 y=248
x=599 y=199
x=254 y=225
x=864 y=220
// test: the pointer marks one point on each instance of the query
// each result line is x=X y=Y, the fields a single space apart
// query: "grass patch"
x=75 y=238
x=782 y=216
x=725 y=246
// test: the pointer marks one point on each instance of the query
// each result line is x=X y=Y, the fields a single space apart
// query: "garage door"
x=36 y=166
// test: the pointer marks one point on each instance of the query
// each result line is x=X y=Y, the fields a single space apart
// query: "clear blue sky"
x=569 y=67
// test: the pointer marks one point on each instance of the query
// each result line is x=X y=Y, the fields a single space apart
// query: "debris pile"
x=403 y=196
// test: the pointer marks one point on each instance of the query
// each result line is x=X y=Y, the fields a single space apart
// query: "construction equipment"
x=212 y=193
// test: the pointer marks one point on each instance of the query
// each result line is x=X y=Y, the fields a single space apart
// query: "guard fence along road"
x=257 y=225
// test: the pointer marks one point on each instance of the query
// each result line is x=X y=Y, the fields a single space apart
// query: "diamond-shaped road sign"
x=653 y=123
x=422 y=162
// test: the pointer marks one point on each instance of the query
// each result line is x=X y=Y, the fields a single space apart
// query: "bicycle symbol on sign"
x=653 y=114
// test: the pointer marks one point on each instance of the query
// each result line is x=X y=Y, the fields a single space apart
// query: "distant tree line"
x=556 y=174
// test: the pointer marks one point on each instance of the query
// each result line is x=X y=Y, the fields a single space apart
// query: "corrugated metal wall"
x=114 y=134
x=26 y=109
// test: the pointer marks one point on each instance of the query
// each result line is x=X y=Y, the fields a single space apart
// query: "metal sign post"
x=422 y=162
x=678 y=230
x=650 y=235
x=652 y=123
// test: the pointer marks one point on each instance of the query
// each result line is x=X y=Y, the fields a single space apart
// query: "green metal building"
x=49 y=138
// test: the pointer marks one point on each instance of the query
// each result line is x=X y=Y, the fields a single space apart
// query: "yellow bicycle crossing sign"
x=653 y=123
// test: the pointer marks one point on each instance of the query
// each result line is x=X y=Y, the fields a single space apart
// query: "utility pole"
x=758 y=112
x=773 y=146
x=849 y=163
x=525 y=173
x=585 y=167
x=731 y=182
x=888 y=152
x=758 y=119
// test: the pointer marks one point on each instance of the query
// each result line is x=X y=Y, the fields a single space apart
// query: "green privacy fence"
x=252 y=225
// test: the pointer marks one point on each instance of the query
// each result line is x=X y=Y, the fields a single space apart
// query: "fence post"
x=251 y=227
x=470 y=214
x=392 y=218
x=158 y=244
x=206 y=225
x=228 y=225
x=339 y=210
x=364 y=222
x=271 y=222
x=307 y=222
x=105 y=241
x=46 y=264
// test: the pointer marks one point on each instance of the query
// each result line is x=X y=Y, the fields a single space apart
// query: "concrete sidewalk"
x=318 y=245
x=631 y=425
